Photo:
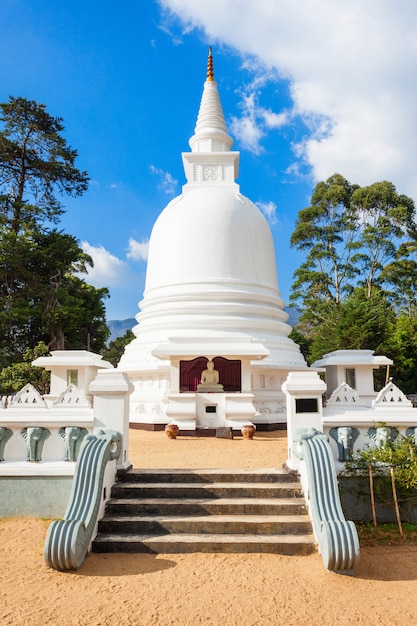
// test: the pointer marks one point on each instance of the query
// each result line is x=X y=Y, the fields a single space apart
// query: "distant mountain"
x=293 y=316
x=119 y=327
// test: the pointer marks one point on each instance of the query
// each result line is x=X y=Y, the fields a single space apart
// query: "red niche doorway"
x=230 y=373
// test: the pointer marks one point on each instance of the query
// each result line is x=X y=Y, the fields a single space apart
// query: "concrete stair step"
x=207 y=476
x=204 y=506
x=209 y=524
x=184 y=511
x=226 y=543
x=212 y=490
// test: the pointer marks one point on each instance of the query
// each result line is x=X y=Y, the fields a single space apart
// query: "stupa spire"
x=210 y=72
x=210 y=133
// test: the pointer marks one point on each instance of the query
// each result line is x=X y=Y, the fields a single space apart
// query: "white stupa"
x=211 y=293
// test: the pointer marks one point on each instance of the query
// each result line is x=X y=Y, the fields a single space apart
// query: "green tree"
x=16 y=376
x=386 y=221
x=401 y=346
x=16 y=320
x=303 y=342
x=400 y=278
x=41 y=296
x=44 y=299
x=350 y=234
x=116 y=348
x=359 y=323
x=359 y=276
x=327 y=232
x=85 y=317
x=36 y=164
x=70 y=311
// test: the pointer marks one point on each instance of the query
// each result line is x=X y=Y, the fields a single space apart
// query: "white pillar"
x=111 y=390
x=304 y=390
x=246 y=382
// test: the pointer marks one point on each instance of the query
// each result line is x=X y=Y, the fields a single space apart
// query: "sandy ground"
x=213 y=589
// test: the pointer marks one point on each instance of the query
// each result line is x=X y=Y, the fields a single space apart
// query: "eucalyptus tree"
x=357 y=287
x=327 y=232
x=400 y=278
x=386 y=220
x=352 y=236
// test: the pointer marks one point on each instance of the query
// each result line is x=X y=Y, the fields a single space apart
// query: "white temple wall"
x=355 y=368
x=157 y=400
x=333 y=373
x=149 y=398
x=60 y=379
x=269 y=399
x=347 y=420
x=36 y=470
x=363 y=377
x=216 y=402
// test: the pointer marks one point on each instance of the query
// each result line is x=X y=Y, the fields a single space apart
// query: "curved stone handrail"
x=67 y=540
x=337 y=538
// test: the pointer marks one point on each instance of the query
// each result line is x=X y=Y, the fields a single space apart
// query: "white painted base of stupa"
x=157 y=400
x=198 y=410
x=153 y=404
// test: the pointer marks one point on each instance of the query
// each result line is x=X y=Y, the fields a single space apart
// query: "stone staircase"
x=178 y=511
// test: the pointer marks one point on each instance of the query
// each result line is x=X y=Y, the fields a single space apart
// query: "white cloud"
x=269 y=209
x=138 y=250
x=246 y=129
x=108 y=270
x=255 y=120
x=167 y=182
x=351 y=67
x=273 y=120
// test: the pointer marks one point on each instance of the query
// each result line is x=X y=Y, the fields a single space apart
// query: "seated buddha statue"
x=210 y=379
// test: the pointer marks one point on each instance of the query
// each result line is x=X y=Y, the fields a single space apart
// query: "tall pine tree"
x=41 y=296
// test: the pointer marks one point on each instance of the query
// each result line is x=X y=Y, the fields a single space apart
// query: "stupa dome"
x=211 y=233
x=211 y=274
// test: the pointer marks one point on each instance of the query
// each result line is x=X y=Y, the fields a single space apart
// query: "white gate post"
x=111 y=390
x=304 y=390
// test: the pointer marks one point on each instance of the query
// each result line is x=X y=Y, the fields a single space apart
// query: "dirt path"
x=211 y=589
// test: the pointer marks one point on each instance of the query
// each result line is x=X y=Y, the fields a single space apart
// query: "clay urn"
x=248 y=431
x=172 y=430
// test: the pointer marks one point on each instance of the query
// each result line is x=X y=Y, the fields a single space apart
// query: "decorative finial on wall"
x=210 y=72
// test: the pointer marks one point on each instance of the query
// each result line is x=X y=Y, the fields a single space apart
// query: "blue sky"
x=308 y=88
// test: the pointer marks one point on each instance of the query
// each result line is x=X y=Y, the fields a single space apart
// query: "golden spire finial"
x=210 y=72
